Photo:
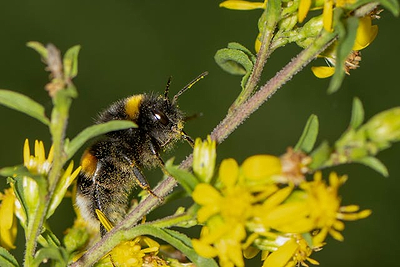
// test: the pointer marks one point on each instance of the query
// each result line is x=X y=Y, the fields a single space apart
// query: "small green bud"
x=204 y=156
x=76 y=238
x=288 y=23
x=30 y=195
x=384 y=127
x=310 y=31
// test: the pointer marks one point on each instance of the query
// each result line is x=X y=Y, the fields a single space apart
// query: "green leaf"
x=347 y=34
x=38 y=47
x=18 y=171
x=233 y=61
x=23 y=104
x=179 y=241
x=55 y=253
x=237 y=46
x=391 y=5
x=357 y=114
x=93 y=131
x=7 y=259
x=186 y=179
x=70 y=62
x=309 y=135
x=374 y=164
x=320 y=155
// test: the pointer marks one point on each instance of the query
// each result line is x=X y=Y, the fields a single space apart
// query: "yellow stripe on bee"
x=132 y=106
x=88 y=163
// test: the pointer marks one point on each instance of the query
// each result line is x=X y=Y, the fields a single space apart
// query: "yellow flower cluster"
x=11 y=207
x=247 y=211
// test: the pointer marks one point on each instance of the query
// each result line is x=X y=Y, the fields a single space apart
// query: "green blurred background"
x=129 y=47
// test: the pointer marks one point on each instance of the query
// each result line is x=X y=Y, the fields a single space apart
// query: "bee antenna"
x=167 y=87
x=195 y=80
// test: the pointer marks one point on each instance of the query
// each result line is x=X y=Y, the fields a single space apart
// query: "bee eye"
x=160 y=117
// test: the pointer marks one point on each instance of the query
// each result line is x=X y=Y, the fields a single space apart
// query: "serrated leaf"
x=7 y=259
x=186 y=179
x=347 y=31
x=233 y=61
x=374 y=164
x=23 y=104
x=96 y=130
x=70 y=62
x=357 y=114
x=320 y=155
x=309 y=135
x=38 y=47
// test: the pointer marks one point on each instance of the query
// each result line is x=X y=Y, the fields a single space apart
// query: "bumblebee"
x=112 y=166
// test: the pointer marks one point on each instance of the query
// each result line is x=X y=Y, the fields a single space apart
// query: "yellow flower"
x=223 y=240
x=366 y=33
x=293 y=251
x=327 y=13
x=37 y=163
x=279 y=214
x=8 y=222
x=243 y=5
x=326 y=212
x=135 y=253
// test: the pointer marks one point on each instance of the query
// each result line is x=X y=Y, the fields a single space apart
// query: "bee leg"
x=142 y=182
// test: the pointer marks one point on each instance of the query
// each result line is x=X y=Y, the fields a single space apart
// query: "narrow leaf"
x=70 y=62
x=96 y=130
x=320 y=155
x=51 y=252
x=391 y=5
x=357 y=114
x=375 y=164
x=23 y=104
x=38 y=47
x=309 y=135
x=186 y=179
x=347 y=35
x=179 y=241
x=6 y=259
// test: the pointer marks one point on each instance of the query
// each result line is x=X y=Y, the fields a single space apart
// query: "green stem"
x=273 y=14
x=58 y=125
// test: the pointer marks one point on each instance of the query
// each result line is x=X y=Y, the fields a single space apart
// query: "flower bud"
x=204 y=156
x=384 y=127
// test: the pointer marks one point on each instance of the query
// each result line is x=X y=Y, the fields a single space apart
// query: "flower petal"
x=304 y=7
x=261 y=167
x=229 y=172
x=323 y=71
x=327 y=15
x=242 y=5
x=366 y=33
x=282 y=255
x=205 y=194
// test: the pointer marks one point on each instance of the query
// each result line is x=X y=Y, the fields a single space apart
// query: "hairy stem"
x=273 y=14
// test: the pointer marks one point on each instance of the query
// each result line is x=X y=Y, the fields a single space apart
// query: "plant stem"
x=58 y=125
x=273 y=14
